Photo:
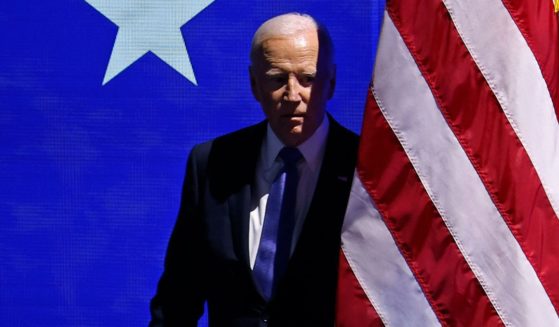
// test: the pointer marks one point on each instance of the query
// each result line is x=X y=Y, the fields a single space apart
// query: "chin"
x=297 y=129
x=295 y=138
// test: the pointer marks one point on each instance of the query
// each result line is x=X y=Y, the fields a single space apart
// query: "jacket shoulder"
x=228 y=162
x=231 y=142
x=343 y=140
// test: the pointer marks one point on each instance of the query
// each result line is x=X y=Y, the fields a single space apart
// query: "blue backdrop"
x=90 y=174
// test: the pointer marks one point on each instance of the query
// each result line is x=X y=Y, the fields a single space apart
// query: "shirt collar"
x=312 y=149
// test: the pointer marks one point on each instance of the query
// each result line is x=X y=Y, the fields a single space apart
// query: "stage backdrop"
x=100 y=103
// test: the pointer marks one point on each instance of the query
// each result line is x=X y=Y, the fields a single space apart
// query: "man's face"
x=293 y=82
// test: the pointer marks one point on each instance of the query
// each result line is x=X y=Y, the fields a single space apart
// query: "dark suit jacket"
x=208 y=256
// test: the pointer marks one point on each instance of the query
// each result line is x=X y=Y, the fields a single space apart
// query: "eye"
x=278 y=78
x=307 y=79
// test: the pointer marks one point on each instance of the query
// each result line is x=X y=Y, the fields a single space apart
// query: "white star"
x=149 y=25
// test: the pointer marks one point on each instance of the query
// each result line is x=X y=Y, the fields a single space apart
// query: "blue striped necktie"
x=275 y=242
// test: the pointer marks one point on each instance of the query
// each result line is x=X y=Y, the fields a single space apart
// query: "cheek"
x=274 y=97
x=319 y=94
x=306 y=94
x=271 y=103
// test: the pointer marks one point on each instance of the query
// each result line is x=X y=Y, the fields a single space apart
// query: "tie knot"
x=290 y=156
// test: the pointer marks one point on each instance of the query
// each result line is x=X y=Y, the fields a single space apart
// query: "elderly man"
x=258 y=232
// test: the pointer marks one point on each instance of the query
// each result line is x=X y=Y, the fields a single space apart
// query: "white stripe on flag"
x=511 y=70
x=379 y=267
x=455 y=188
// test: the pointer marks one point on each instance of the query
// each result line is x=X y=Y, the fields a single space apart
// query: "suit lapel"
x=239 y=209
x=242 y=165
x=231 y=168
x=334 y=182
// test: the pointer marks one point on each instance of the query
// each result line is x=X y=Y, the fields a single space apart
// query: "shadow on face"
x=293 y=77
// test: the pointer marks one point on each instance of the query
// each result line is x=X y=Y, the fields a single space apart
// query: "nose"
x=292 y=89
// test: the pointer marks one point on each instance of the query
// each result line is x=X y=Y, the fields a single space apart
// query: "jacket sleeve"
x=181 y=292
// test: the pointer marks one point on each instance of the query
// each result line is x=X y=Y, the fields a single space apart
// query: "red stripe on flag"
x=537 y=21
x=353 y=308
x=419 y=231
x=476 y=118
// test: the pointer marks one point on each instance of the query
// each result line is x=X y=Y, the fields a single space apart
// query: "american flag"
x=453 y=214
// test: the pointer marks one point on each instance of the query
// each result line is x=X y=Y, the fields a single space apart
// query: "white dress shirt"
x=267 y=168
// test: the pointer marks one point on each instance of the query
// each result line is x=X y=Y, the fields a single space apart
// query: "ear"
x=253 y=83
x=332 y=81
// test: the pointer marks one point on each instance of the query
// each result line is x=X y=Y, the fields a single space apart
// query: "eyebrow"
x=278 y=72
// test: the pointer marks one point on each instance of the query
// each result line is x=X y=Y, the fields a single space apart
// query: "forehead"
x=301 y=47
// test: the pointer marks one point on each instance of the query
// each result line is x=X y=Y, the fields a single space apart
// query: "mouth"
x=293 y=118
x=293 y=115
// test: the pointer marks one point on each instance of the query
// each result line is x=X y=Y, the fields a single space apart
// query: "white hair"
x=287 y=25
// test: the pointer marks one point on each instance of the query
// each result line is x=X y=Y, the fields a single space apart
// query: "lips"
x=293 y=115
x=294 y=118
